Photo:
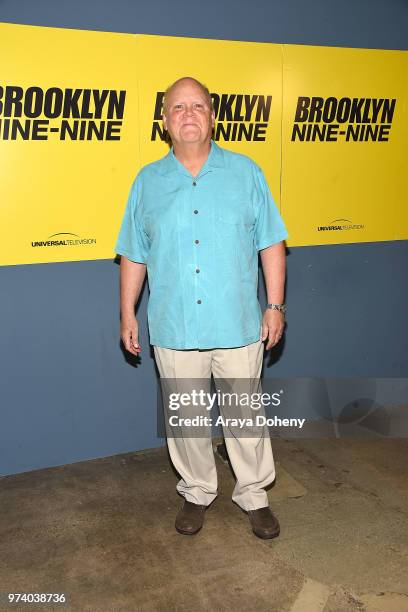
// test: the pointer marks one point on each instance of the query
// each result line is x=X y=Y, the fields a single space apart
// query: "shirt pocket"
x=235 y=209
x=236 y=219
x=232 y=216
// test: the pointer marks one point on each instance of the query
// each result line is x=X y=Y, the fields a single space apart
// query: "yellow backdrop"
x=81 y=112
x=244 y=80
x=62 y=190
x=338 y=187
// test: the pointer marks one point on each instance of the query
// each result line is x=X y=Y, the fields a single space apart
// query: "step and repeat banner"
x=344 y=140
x=81 y=113
x=68 y=141
x=245 y=81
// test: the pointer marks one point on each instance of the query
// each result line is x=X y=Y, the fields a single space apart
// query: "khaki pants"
x=251 y=457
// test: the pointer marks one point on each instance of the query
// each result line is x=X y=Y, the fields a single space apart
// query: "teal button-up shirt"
x=199 y=238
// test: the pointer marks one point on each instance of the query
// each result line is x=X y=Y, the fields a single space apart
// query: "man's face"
x=187 y=115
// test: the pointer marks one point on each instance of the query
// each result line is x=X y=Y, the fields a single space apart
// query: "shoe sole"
x=266 y=537
x=188 y=532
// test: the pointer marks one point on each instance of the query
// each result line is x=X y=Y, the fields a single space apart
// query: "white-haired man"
x=196 y=220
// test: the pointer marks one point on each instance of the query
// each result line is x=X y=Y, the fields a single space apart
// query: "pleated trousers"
x=249 y=448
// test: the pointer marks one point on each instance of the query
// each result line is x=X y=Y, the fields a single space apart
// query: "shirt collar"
x=215 y=159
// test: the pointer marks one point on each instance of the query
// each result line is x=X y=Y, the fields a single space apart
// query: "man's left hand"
x=273 y=323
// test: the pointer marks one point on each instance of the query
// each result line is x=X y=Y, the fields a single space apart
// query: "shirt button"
x=198 y=301
x=197 y=270
x=196 y=241
x=194 y=184
x=196 y=212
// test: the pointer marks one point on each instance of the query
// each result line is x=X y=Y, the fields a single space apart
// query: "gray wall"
x=67 y=391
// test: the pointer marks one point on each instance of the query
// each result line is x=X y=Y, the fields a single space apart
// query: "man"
x=195 y=220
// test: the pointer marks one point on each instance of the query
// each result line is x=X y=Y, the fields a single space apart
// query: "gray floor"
x=102 y=533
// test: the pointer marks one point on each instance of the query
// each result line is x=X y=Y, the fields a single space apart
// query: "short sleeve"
x=132 y=241
x=269 y=226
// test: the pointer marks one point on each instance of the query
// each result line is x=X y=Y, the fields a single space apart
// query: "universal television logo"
x=61 y=239
x=340 y=225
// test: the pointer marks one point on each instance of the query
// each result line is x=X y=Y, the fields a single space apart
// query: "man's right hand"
x=129 y=332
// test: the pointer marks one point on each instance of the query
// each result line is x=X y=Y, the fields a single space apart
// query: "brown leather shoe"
x=264 y=523
x=190 y=518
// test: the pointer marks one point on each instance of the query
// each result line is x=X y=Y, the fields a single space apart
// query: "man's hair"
x=203 y=88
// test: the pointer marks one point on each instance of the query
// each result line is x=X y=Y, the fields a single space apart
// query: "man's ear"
x=212 y=119
x=164 y=121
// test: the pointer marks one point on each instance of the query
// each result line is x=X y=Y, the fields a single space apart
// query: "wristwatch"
x=280 y=307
